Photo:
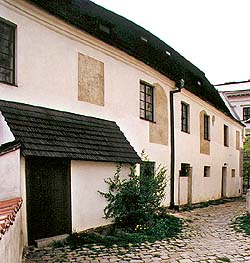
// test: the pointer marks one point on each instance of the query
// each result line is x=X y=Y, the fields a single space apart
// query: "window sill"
x=188 y=132
x=147 y=120
x=8 y=84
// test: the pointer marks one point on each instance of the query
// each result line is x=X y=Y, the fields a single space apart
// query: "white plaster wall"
x=10 y=175
x=87 y=178
x=5 y=133
x=47 y=75
x=11 y=245
x=188 y=151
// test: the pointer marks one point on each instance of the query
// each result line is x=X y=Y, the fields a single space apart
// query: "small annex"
x=52 y=146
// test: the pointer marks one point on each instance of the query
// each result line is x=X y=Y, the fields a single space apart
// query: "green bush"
x=135 y=201
x=163 y=226
x=242 y=223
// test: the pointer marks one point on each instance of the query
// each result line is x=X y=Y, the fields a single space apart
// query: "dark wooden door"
x=48 y=197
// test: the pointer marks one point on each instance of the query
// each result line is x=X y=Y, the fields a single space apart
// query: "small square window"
x=206 y=171
x=185 y=169
x=146 y=101
x=184 y=117
x=7 y=52
x=233 y=172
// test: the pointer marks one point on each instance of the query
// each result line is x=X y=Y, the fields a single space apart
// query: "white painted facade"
x=86 y=179
x=47 y=75
x=188 y=151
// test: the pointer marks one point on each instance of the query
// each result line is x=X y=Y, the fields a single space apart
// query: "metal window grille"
x=206 y=127
x=184 y=117
x=7 y=52
x=146 y=101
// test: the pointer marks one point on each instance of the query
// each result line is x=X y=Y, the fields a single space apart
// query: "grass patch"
x=208 y=203
x=242 y=223
x=163 y=226
x=224 y=259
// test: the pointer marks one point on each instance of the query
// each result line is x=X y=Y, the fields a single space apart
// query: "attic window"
x=168 y=53
x=144 y=39
x=104 y=28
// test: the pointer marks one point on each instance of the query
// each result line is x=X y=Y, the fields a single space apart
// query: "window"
x=206 y=171
x=206 y=127
x=147 y=168
x=246 y=113
x=185 y=169
x=233 y=172
x=146 y=101
x=226 y=136
x=7 y=52
x=184 y=117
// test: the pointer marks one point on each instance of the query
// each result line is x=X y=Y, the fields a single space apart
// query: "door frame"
x=224 y=181
x=28 y=174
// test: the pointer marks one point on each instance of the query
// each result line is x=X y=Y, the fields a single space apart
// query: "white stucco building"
x=63 y=62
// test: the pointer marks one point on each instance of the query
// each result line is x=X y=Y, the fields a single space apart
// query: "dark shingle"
x=46 y=132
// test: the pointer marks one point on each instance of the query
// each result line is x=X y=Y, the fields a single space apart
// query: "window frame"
x=13 y=50
x=233 y=172
x=144 y=101
x=246 y=109
x=185 y=117
x=185 y=170
x=226 y=135
x=206 y=124
x=206 y=171
x=150 y=164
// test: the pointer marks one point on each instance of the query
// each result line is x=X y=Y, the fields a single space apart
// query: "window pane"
x=206 y=127
x=184 y=117
x=142 y=105
x=142 y=114
x=146 y=102
x=142 y=88
x=7 y=34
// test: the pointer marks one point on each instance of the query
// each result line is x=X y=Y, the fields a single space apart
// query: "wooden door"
x=48 y=197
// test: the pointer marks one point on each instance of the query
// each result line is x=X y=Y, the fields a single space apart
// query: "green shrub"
x=163 y=226
x=135 y=201
x=243 y=223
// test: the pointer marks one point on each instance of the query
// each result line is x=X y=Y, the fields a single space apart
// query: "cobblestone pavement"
x=207 y=237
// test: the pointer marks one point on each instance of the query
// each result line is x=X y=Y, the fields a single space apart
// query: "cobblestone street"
x=207 y=237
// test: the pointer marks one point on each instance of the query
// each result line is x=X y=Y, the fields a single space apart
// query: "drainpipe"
x=172 y=158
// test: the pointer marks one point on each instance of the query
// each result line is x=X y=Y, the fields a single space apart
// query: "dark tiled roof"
x=8 y=211
x=9 y=147
x=137 y=42
x=52 y=133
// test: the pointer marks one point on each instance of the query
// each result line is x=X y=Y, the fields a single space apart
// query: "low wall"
x=11 y=244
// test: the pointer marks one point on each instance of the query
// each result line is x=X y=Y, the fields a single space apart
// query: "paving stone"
x=206 y=237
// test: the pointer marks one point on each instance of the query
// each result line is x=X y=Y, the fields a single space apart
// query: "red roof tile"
x=8 y=211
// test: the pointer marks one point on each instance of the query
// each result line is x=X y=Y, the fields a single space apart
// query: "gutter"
x=172 y=134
